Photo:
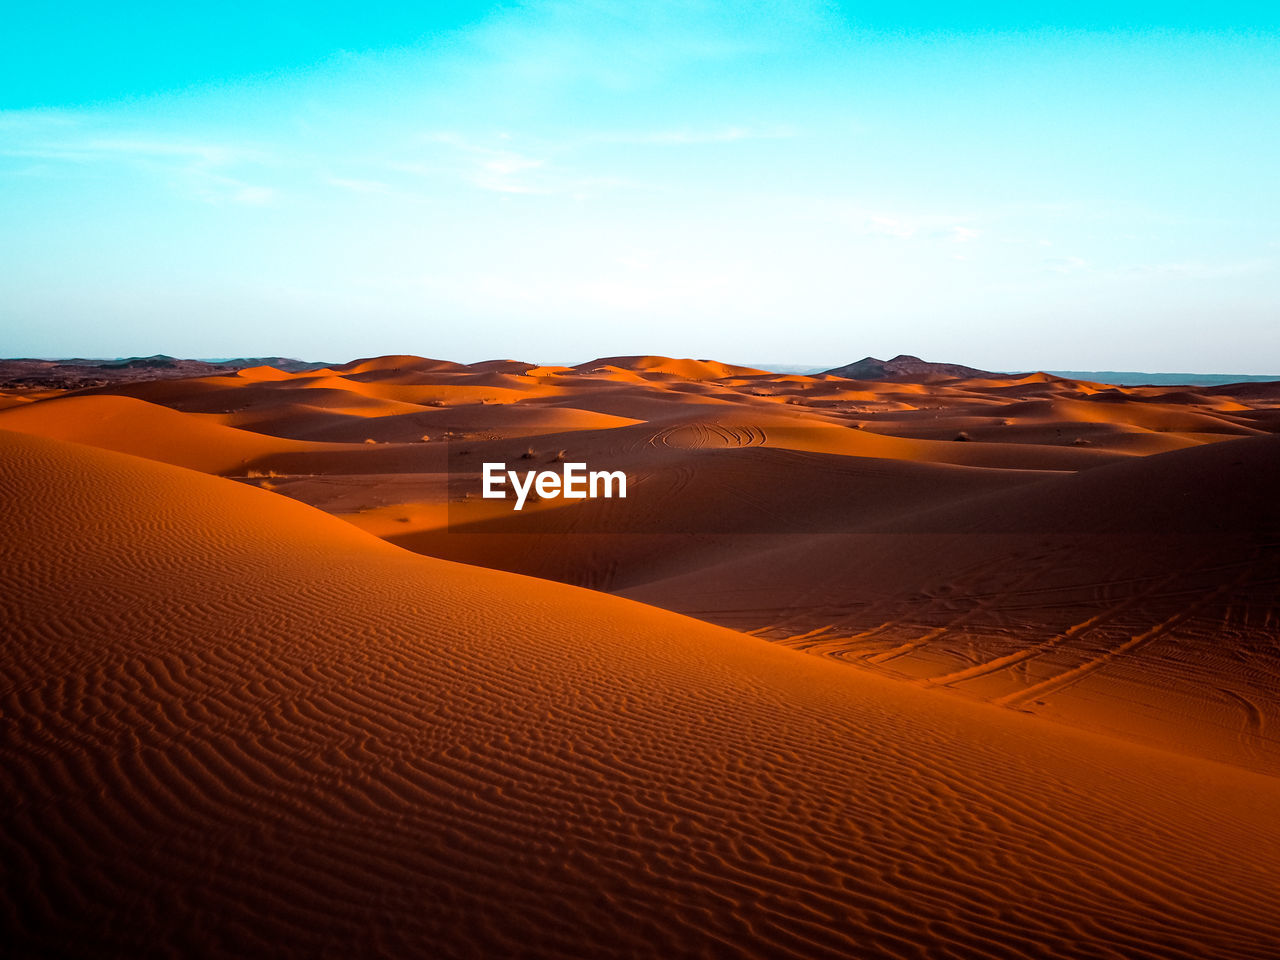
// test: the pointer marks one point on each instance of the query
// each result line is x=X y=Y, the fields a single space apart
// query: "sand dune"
x=262 y=373
x=147 y=430
x=236 y=726
x=685 y=369
x=980 y=667
x=1138 y=598
x=158 y=433
x=396 y=364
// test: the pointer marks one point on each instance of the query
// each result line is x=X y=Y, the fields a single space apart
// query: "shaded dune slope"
x=1141 y=597
x=686 y=508
x=234 y=726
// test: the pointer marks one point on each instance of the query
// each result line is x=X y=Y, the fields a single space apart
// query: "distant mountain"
x=905 y=367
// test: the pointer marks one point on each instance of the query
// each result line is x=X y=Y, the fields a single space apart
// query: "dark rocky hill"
x=905 y=367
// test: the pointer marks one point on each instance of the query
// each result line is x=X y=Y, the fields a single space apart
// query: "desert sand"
x=950 y=667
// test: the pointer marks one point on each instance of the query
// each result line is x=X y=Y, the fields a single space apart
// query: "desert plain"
x=946 y=664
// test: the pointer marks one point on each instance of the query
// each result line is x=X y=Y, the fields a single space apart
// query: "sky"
x=1078 y=186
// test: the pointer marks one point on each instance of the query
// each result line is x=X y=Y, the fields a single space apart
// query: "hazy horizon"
x=1090 y=188
x=1165 y=376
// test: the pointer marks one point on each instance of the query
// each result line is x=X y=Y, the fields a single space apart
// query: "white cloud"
x=882 y=226
x=505 y=164
x=492 y=168
x=729 y=134
x=359 y=186
x=254 y=196
x=506 y=169
x=1064 y=264
x=216 y=154
x=209 y=170
x=1199 y=270
x=912 y=226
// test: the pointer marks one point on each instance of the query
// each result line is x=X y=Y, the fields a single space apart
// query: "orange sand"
x=237 y=726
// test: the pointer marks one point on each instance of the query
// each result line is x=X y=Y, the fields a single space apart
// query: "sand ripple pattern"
x=235 y=727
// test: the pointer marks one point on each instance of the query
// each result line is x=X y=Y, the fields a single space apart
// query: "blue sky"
x=1084 y=186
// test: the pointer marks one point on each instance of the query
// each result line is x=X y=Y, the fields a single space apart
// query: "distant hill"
x=287 y=364
x=79 y=372
x=905 y=367
x=909 y=368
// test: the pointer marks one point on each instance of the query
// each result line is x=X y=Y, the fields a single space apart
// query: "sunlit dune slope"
x=9 y=400
x=684 y=369
x=443 y=423
x=236 y=727
x=263 y=373
x=148 y=430
x=194 y=441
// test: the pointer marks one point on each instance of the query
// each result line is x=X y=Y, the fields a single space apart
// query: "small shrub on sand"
x=529 y=454
x=963 y=436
